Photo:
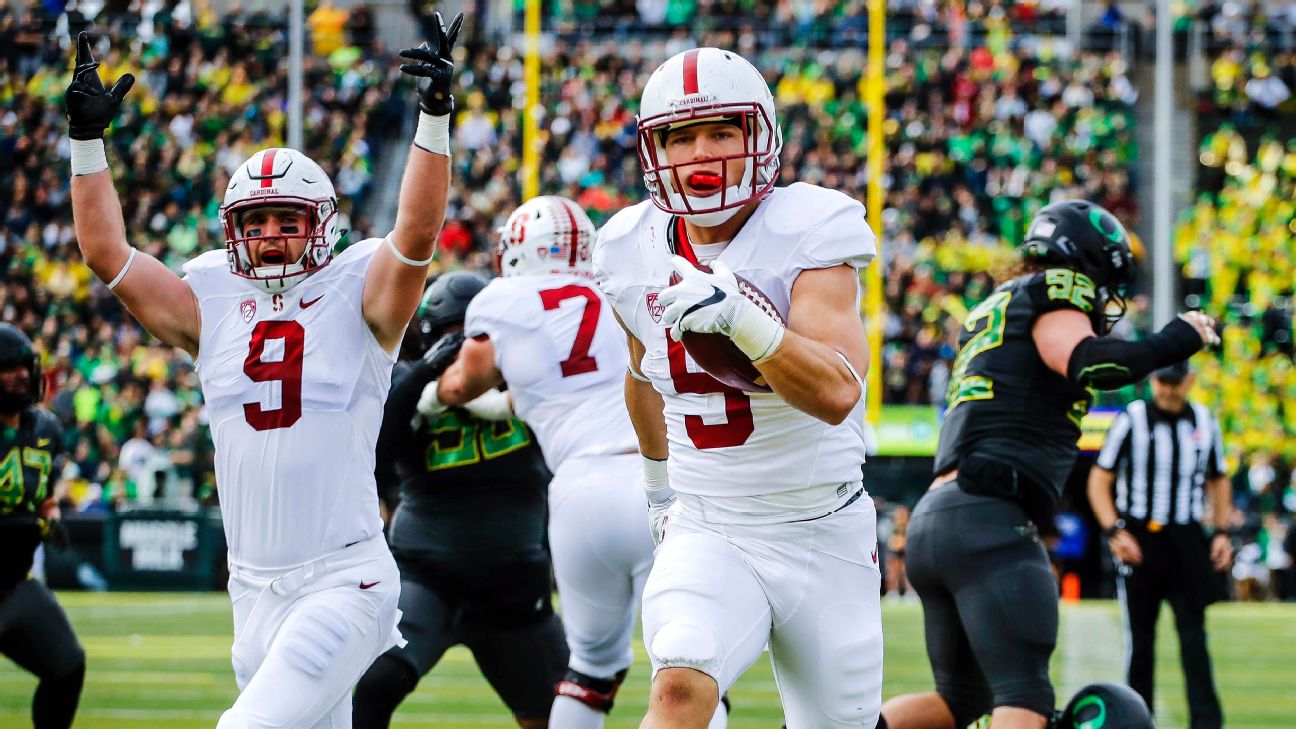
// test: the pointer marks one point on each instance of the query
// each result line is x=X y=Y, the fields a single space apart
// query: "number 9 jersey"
x=1005 y=404
x=294 y=384
x=725 y=442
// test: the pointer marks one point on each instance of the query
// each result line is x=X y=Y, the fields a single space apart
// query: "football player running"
x=468 y=535
x=1030 y=355
x=294 y=349
x=546 y=330
x=34 y=632
x=769 y=535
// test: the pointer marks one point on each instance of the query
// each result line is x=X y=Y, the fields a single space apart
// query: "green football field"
x=161 y=660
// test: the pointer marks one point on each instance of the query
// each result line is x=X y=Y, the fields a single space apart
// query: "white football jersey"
x=724 y=442
x=294 y=385
x=563 y=355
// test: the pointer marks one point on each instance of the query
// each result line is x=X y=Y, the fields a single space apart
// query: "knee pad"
x=313 y=643
x=596 y=693
x=685 y=645
x=383 y=687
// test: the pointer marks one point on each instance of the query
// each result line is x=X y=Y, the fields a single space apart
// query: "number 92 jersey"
x=294 y=385
x=724 y=442
x=1005 y=404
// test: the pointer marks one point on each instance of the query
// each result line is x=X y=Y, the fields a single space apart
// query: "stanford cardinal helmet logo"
x=655 y=310
x=247 y=308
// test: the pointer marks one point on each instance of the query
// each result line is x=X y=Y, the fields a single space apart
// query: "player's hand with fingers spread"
x=712 y=303
x=90 y=107
x=434 y=63
x=1205 y=326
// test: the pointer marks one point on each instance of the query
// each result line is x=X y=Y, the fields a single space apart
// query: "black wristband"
x=1117 y=526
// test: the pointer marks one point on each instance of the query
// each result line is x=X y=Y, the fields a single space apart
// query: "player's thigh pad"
x=428 y=625
x=988 y=556
x=329 y=634
x=35 y=632
x=523 y=665
x=823 y=581
x=703 y=606
x=602 y=551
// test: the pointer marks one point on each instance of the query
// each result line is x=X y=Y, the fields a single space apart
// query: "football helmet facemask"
x=545 y=235
x=708 y=85
x=280 y=178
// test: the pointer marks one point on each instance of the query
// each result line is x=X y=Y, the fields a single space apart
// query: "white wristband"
x=406 y=259
x=433 y=134
x=122 y=273
x=491 y=405
x=656 y=482
x=429 y=404
x=88 y=156
x=635 y=375
x=755 y=332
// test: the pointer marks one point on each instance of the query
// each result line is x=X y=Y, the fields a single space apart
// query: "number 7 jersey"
x=558 y=346
x=723 y=442
x=294 y=385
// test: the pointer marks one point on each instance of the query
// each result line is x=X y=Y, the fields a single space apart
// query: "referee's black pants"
x=1175 y=567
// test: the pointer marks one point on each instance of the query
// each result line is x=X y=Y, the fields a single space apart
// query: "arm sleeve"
x=1108 y=363
x=408 y=382
x=1116 y=437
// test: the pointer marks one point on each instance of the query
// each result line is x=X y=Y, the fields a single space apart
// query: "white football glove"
x=429 y=404
x=491 y=405
x=661 y=497
x=711 y=303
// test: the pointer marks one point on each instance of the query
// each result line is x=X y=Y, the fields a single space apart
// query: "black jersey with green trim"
x=29 y=456
x=1005 y=404
x=467 y=486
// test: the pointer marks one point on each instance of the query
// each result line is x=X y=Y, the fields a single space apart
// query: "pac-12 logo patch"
x=247 y=308
x=655 y=309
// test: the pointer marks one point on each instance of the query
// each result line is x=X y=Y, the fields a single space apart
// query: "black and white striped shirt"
x=1162 y=461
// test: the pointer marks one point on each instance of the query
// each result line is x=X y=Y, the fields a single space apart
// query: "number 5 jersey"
x=294 y=385
x=723 y=442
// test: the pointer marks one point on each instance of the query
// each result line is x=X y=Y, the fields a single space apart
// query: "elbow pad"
x=1107 y=363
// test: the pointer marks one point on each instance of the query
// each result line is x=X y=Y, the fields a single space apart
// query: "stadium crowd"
x=209 y=94
x=978 y=139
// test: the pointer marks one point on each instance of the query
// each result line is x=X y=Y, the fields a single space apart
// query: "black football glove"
x=434 y=63
x=442 y=354
x=90 y=107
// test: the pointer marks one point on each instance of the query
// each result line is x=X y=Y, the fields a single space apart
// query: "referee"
x=1165 y=458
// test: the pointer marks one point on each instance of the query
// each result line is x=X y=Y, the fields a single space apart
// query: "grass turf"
x=162 y=660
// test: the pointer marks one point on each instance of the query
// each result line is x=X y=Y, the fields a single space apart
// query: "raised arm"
x=155 y=295
x=395 y=279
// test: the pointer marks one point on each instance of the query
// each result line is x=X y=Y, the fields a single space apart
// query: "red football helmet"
x=701 y=85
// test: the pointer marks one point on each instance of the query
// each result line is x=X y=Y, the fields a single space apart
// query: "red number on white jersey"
x=579 y=361
x=738 y=425
x=287 y=372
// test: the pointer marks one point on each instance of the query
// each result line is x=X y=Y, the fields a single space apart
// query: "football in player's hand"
x=719 y=356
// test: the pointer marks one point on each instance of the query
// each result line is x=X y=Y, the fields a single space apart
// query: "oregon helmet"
x=1084 y=237
x=445 y=302
x=1105 y=706
x=16 y=350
